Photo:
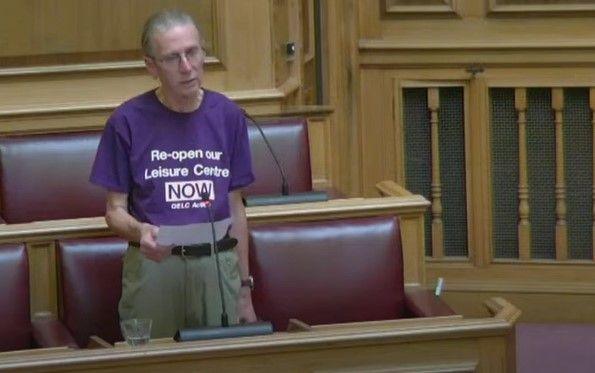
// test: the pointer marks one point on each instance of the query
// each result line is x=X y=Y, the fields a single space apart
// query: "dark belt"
x=203 y=249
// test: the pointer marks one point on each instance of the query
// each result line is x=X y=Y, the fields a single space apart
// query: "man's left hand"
x=246 y=312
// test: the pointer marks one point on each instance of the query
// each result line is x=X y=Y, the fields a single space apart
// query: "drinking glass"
x=136 y=332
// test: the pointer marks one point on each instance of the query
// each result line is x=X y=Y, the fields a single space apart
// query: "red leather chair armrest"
x=423 y=303
x=51 y=333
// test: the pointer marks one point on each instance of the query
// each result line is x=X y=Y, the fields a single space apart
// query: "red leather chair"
x=289 y=139
x=45 y=177
x=319 y=272
x=333 y=271
x=17 y=332
x=90 y=272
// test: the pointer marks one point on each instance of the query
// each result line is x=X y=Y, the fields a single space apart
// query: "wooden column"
x=437 y=227
x=524 y=226
x=561 y=224
x=42 y=277
x=592 y=106
x=481 y=245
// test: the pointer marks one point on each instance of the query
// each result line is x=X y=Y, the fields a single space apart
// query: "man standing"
x=160 y=154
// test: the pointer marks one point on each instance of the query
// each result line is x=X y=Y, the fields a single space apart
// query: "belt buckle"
x=183 y=251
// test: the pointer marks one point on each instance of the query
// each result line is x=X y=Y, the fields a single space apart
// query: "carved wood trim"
x=592 y=107
x=396 y=8
x=524 y=225
x=561 y=230
x=437 y=227
x=495 y=7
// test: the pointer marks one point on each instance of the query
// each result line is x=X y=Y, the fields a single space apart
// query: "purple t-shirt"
x=165 y=160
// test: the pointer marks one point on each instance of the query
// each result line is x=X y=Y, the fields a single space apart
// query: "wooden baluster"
x=592 y=106
x=437 y=227
x=561 y=226
x=524 y=226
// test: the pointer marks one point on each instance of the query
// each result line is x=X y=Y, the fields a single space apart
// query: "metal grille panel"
x=505 y=173
x=578 y=166
x=542 y=172
x=452 y=171
x=418 y=159
x=418 y=152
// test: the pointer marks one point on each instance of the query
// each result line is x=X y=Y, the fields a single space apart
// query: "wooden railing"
x=524 y=228
x=540 y=253
x=525 y=212
x=524 y=192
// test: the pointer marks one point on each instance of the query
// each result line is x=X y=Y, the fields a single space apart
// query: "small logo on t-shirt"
x=179 y=191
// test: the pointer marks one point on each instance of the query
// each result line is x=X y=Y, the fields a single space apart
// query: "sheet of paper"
x=191 y=234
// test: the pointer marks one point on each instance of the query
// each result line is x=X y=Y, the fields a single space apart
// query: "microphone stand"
x=285 y=197
x=284 y=182
x=225 y=330
x=224 y=319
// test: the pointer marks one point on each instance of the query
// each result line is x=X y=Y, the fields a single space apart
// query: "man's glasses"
x=192 y=55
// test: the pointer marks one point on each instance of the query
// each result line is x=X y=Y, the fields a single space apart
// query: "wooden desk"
x=441 y=344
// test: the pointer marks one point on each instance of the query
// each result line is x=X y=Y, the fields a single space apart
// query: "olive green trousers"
x=179 y=292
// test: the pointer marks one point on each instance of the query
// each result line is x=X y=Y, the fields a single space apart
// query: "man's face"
x=177 y=60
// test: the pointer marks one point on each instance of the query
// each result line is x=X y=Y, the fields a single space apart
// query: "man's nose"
x=185 y=64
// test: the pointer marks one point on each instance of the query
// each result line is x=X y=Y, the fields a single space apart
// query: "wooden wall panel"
x=377 y=135
x=41 y=32
x=474 y=24
x=247 y=63
x=404 y=7
x=43 y=277
x=54 y=122
x=248 y=48
x=30 y=93
x=560 y=7
x=320 y=152
x=280 y=36
x=488 y=44
x=341 y=81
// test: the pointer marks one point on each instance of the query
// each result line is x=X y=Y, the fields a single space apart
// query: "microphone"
x=285 y=197
x=225 y=330
x=284 y=183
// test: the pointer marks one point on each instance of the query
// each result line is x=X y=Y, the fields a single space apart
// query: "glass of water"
x=136 y=332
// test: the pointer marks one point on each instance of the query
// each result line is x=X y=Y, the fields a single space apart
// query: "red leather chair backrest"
x=91 y=284
x=289 y=140
x=45 y=177
x=15 y=322
x=329 y=271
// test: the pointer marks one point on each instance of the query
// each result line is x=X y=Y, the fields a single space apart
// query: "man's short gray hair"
x=163 y=21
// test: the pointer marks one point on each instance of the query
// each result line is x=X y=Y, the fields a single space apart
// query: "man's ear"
x=151 y=67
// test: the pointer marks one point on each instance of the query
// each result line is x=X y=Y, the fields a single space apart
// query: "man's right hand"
x=148 y=243
x=124 y=225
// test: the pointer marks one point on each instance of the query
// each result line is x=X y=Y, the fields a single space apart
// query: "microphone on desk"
x=285 y=197
x=225 y=330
